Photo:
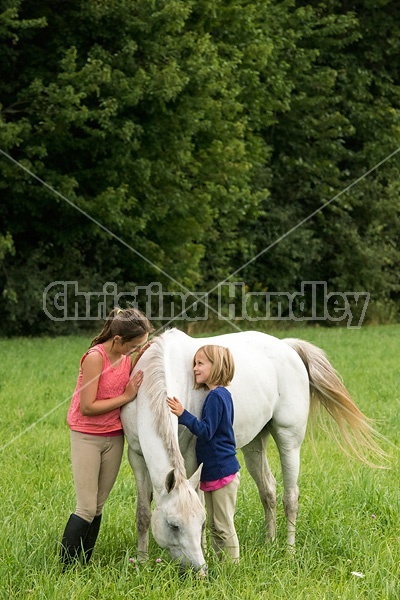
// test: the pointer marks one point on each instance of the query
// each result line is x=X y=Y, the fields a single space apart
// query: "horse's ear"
x=195 y=478
x=170 y=481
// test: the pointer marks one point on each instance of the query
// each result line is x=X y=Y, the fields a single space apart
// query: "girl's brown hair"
x=128 y=323
x=223 y=366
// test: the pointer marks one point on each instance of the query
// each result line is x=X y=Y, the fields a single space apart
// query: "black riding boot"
x=73 y=539
x=91 y=537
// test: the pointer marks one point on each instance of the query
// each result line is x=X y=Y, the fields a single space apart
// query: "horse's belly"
x=269 y=383
x=250 y=420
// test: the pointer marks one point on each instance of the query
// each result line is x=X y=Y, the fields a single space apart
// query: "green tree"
x=131 y=112
x=176 y=140
x=342 y=121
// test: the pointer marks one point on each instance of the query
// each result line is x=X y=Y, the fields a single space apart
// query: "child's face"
x=202 y=368
x=133 y=345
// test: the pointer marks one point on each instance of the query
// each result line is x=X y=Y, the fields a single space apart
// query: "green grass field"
x=349 y=514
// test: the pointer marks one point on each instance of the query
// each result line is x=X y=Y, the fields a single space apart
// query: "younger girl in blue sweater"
x=213 y=369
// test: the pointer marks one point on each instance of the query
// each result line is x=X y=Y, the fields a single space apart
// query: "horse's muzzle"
x=200 y=572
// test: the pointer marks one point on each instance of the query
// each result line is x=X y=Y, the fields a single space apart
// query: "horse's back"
x=270 y=383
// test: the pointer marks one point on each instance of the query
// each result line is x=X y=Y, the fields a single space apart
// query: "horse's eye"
x=173 y=527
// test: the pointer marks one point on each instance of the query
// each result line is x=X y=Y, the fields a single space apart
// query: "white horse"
x=271 y=393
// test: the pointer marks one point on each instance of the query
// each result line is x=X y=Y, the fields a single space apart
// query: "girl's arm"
x=208 y=425
x=89 y=405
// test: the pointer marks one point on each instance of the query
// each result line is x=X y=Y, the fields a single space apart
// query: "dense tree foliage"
x=175 y=140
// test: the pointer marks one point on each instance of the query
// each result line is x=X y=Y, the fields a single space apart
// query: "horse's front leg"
x=143 y=507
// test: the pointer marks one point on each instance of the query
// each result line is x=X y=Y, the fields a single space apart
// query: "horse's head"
x=178 y=520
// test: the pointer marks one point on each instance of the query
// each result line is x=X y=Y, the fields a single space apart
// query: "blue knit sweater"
x=215 y=445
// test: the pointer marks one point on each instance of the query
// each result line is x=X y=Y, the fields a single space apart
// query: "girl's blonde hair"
x=223 y=366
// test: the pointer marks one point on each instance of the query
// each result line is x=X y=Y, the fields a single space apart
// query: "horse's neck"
x=178 y=360
x=157 y=427
x=153 y=446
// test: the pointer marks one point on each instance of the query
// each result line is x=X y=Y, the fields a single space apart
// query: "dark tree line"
x=197 y=134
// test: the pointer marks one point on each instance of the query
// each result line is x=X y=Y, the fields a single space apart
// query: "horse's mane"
x=157 y=388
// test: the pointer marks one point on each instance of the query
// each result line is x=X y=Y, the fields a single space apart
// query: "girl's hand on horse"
x=175 y=406
x=140 y=352
x=133 y=385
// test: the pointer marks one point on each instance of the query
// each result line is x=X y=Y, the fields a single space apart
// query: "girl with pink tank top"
x=112 y=383
x=104 y=385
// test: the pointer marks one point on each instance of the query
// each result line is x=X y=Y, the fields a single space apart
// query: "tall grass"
x=348 y=519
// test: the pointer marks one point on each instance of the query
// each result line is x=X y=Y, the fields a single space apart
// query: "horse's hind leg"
x=255 y=457
x=289 y=452
x=143 y=507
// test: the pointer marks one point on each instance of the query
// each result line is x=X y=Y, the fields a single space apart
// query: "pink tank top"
x=112 y=383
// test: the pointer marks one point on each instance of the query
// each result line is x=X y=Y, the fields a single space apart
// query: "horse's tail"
x=326 y=388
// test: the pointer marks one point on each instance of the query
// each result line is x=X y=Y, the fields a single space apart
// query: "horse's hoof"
x=202 y=574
